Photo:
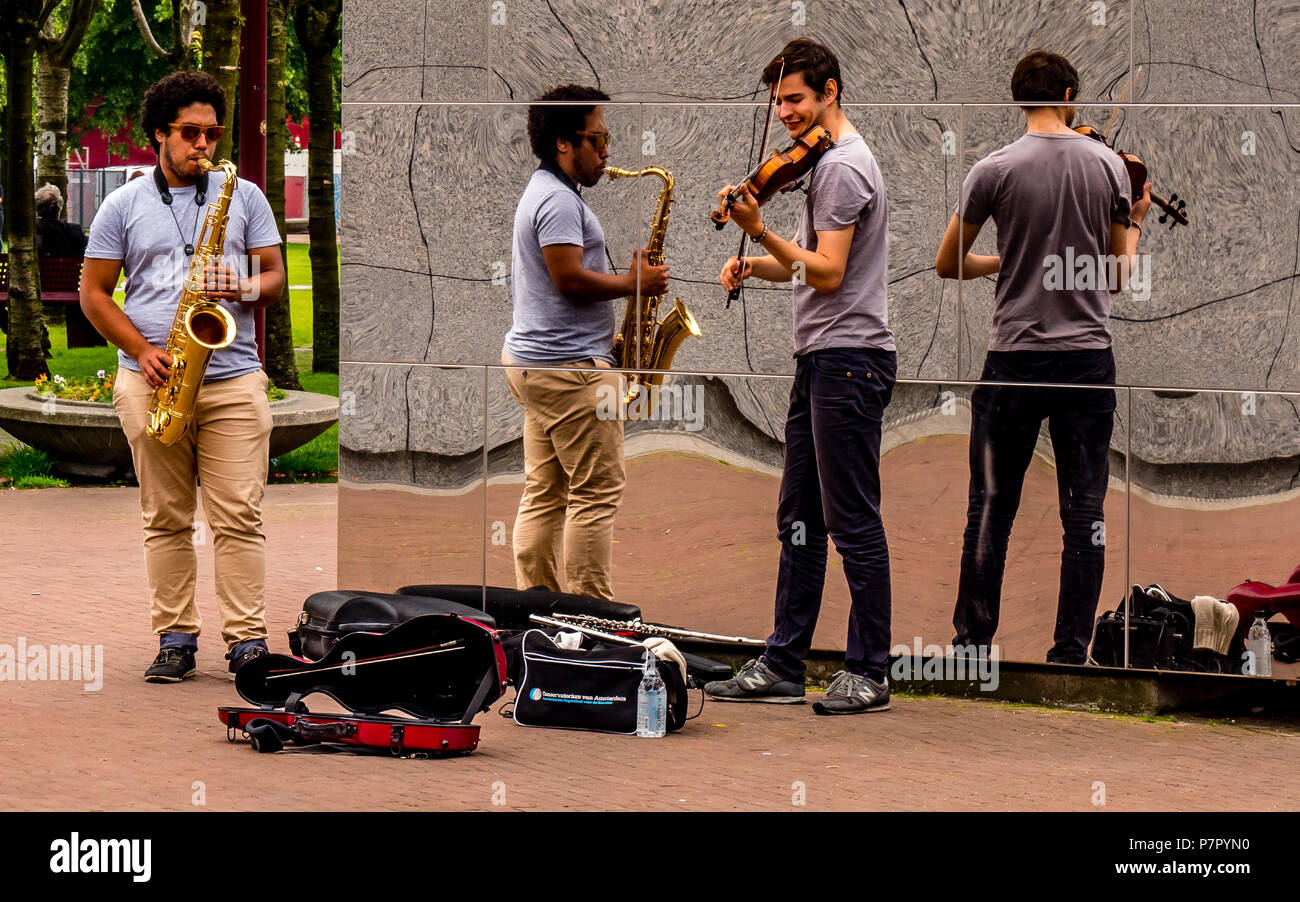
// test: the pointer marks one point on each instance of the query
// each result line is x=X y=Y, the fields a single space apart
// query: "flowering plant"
x=100 y=388
x=96 y=388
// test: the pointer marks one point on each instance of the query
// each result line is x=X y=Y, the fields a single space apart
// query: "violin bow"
x=1115 y=110
x=762 y=149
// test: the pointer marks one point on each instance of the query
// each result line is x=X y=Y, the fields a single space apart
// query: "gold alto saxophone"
x=201 y=326
x=647 y=344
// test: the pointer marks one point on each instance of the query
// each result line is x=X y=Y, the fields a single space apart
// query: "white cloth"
x=666 y=651
x=1216 y=623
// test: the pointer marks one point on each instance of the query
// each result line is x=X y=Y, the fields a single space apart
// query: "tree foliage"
x=114 y=67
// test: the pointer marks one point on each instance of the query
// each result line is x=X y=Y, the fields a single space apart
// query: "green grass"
x=71 y=363
x=318 y=460
x=25 y=467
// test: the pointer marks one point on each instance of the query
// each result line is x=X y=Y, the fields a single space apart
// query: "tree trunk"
x=52 y=122
x=53 y=71
x=25 y=351
x=221 y=60
x=317 y=24
x=280 y=363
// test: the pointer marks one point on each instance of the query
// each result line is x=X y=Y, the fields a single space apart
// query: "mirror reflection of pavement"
x=136 y=745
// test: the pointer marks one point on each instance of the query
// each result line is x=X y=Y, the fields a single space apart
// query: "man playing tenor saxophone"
x=563 y=320
x=150 y=228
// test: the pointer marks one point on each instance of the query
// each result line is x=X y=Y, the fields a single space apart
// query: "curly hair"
x=546 y=124
x=170 y=94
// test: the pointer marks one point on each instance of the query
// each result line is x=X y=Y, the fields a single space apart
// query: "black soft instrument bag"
x=589 y=688
x=510 y=608
x=329 y=616
x=1161 y=636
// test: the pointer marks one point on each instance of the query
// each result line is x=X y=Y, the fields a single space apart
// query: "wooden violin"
x=1174 y=209
x=778 y=171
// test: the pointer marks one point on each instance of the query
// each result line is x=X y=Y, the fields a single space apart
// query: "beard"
x=181 y=165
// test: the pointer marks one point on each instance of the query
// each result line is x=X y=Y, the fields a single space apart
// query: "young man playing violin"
x=845 y=366
x=563 y=319
x=1054 y=194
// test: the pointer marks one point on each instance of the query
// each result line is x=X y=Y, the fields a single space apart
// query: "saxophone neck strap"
x=164 y=192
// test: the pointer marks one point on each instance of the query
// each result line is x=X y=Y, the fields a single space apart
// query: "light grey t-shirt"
x=1053 y=198
x=550 y=328
x=846 y=189
x=134 y=225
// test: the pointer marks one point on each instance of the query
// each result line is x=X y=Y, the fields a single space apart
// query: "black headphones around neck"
x=161 y=181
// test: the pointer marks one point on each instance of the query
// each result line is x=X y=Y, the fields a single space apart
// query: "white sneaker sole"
x=764 y=699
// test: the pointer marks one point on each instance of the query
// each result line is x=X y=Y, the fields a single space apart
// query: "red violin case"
x=414 y=689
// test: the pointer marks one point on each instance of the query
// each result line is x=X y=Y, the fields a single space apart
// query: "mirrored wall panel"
x=410 y=476
x=1216 y=504
x=1210 y=303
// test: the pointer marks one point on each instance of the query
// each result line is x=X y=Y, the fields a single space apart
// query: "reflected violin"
x=778 y=172
x=1174 y=209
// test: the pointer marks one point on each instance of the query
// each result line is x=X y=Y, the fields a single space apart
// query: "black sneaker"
x=171 y=666
x=255 y=652
x=756 y=683
x=853 y=693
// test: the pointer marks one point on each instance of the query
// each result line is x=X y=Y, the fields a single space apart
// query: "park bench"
x=60 y=284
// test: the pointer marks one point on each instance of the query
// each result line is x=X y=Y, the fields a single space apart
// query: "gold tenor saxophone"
x=201 y=326
x=645 y=343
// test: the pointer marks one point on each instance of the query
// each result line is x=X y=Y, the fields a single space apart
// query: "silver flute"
x=640 y=627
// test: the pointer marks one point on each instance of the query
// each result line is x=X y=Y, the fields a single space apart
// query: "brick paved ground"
x=71 y=570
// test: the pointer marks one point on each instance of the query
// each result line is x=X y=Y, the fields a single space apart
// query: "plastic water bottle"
x=1260 y=644
x=651 y=701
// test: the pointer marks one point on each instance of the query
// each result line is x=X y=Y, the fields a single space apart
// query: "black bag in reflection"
x=1160 y=630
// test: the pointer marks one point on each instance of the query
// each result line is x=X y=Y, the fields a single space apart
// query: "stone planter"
x=88 y=432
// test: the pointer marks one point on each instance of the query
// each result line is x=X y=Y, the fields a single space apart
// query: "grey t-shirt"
x=846 y=189
x=1053 y=198
x=550 y=328
x=134 y=225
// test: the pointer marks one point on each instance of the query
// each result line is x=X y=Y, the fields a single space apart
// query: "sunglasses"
x=599 y=140
x=191 y=132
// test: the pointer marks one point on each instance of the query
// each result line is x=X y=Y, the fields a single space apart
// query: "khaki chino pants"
x=574 y=477
x=229 y=454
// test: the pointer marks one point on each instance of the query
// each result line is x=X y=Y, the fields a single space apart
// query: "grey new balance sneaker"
x=756 y=683
x=852 y=693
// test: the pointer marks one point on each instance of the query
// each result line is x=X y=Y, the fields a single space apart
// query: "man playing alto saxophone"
x=149 y=228
x=563 y=318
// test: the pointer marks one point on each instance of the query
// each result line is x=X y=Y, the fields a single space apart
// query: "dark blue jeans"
x=831 y=487
x=1005 y=421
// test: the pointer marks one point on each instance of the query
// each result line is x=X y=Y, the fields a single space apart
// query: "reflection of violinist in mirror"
x=1067 y=236
x=844 y=376
x=563 y=318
